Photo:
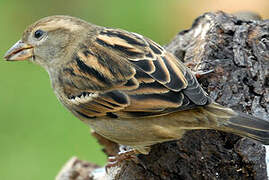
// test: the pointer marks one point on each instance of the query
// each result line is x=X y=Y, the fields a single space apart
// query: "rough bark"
x=236 y=49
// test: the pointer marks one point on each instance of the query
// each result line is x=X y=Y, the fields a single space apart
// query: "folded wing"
x=130 y=76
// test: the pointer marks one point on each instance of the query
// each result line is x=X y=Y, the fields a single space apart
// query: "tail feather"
x=241 y=124
x=250 y=126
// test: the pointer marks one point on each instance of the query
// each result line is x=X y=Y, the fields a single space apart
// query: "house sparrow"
x=125 y=86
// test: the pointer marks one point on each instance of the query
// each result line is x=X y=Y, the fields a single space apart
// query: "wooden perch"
x=236 y=49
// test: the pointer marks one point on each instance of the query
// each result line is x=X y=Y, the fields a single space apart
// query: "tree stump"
x=236 y=50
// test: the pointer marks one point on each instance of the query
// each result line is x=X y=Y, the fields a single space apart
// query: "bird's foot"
x=120 y=157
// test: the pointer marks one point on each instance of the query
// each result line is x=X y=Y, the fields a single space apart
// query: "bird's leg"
x=124 y=154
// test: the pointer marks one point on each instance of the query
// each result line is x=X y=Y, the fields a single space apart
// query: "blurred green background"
x=37 y=134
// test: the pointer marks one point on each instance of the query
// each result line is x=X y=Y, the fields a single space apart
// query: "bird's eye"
x=38 y=33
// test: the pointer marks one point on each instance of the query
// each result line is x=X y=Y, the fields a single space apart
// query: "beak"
x=19 y=51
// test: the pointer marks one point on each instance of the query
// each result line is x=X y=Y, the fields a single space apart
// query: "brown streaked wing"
x=89 y=71
x=146 y=102
x=166 y=69
x=135 y=77
x=148 y=57
x=149 y=88
x=112 y=101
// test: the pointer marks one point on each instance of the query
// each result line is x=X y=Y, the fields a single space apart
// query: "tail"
x=239 y=123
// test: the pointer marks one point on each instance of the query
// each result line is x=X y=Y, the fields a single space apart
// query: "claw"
x=120 y=157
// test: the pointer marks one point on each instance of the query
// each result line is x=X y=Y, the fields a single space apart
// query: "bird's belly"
x=137 y=132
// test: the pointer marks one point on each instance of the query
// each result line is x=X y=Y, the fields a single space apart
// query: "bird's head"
x=48 y=40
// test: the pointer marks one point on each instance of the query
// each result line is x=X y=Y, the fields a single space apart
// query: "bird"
x=125 y=86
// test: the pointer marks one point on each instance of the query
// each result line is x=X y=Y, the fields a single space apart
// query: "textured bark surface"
x=236 y=50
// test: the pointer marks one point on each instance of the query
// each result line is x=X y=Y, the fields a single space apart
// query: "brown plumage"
x=124 y=85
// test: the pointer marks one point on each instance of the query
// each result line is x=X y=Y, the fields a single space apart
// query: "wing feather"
x=132 y=75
